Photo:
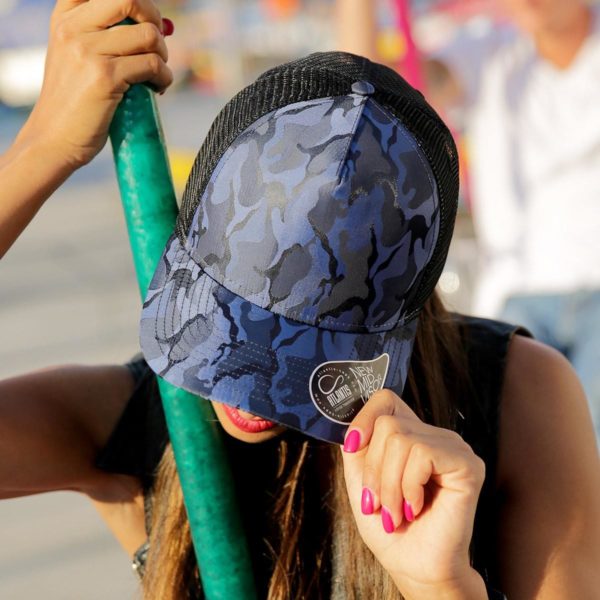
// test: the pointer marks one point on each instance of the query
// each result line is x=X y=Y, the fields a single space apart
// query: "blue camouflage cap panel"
x=314 y=226
x=324 y=212
x=201 y=337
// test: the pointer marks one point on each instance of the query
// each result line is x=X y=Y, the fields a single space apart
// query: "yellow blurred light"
x=181 y=164
x=391 y=45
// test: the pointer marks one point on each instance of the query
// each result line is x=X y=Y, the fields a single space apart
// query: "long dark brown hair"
x=311 y=482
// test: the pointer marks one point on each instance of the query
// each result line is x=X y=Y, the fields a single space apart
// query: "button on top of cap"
x=363 y=88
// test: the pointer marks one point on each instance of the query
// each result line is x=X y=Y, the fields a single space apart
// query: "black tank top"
x=137 y=443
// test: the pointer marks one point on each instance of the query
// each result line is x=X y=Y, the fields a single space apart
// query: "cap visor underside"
x=199 y=336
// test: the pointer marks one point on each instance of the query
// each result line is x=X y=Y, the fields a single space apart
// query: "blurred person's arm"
x=356 y=29
x=452 y=69
x=88 y=69
x=356 y=32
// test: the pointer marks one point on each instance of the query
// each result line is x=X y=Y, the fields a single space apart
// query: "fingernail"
x=386 y=519
x=366 y=502
x=167 y=27
x=408 y=511
x=352 y=441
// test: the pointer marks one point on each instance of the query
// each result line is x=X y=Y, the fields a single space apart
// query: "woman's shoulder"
x=541 y=391
x=545 y=415
x=548 y=473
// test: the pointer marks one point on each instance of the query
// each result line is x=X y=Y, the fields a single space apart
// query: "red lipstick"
x=255 y=425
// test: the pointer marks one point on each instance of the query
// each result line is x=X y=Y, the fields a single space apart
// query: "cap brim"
x=201 y=337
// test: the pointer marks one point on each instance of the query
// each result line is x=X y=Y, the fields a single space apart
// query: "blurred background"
x=67 y=288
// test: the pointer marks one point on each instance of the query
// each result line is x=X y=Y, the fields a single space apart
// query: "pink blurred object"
x=464 y=9
x=410 y=63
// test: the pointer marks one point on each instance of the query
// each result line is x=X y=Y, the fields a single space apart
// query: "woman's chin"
x=244 y=426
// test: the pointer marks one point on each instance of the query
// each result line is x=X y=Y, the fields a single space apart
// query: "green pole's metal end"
x=209 y=495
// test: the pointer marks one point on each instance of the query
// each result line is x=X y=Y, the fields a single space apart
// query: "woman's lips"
x=254 y=425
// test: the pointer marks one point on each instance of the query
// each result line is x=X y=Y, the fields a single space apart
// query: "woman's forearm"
x=30 y=172
x=91 y=62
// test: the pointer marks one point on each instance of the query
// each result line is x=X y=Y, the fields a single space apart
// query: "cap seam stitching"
x=353 y=129
x=226 y=156
x=293 y=315
x=297 y=374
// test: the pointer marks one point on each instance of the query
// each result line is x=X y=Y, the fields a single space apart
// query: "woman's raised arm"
x=89 y=66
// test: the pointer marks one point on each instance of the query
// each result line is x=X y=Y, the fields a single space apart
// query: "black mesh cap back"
x=320 y=75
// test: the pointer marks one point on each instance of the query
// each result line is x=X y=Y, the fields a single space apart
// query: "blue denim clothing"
x=571 y=324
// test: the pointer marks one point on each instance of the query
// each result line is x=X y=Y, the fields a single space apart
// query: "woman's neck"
x=560 y=45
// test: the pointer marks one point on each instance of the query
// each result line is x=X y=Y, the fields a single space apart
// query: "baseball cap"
x=314 y=226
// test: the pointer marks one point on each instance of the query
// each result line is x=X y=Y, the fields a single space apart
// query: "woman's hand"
x=89 y=66
x=413 y=489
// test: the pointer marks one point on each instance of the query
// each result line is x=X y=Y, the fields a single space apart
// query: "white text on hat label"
x=339 y=388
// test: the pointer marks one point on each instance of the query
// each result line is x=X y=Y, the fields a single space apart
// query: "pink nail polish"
x=366 y=502
x=386 y=519
x=408 y=511
x=352 y=441
x=167 y=27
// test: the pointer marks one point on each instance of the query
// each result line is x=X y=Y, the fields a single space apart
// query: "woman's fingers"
x=381 y=403
x=143 y=68
x=139 y=50
x=407 y=469
x=386 y=431
x=411 y=462
x=418 y=471
x=404 y=475
x=126 y=40
x=394 y=455
x=100 y=14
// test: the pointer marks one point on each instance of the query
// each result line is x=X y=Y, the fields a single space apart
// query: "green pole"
x=150 y=211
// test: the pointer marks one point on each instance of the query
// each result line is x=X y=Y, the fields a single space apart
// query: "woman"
x=399 y=516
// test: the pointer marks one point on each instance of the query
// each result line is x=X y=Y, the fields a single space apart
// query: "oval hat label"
x=339 y=388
